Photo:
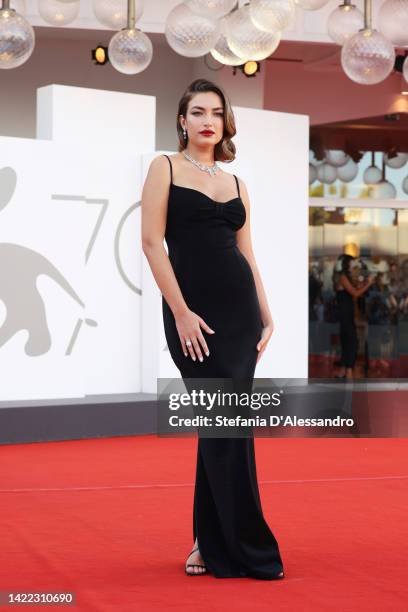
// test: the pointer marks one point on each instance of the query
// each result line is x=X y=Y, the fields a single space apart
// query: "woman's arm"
x=245 y=246
x=353 y=290
x=154 y=215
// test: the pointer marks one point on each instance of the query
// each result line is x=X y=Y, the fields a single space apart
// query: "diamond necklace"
x=212 y=170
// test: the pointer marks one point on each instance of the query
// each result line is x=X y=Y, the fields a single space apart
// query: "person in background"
x=345 y=294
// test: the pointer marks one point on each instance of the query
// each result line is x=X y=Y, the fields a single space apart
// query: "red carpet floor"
x=111 y=520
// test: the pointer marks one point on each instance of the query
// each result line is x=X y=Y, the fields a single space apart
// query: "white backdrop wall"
x=70 y=271
x=42 y=288
x=84 y=310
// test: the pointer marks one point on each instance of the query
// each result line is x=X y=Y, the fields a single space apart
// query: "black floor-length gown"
x=217 y=283
x=348 y=330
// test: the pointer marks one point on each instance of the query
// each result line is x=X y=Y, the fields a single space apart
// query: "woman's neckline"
x=216 y=202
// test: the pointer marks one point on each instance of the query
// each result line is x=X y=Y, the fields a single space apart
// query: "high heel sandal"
x=194 y=565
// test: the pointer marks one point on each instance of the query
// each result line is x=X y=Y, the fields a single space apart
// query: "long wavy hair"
x=224 y=150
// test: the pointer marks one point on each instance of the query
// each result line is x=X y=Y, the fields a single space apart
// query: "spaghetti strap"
x=171 y=168
x=236 y=180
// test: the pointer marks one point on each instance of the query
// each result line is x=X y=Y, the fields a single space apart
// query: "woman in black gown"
x=345 y=294
x=216 y=319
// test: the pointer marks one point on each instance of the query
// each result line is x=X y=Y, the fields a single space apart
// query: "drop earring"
x=184 y=134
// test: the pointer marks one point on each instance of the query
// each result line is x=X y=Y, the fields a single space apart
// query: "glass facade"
x=378 y=240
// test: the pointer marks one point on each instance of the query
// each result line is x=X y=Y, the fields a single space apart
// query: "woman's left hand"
x=266 y=334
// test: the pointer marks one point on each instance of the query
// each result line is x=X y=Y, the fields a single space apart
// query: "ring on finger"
x=188 y=342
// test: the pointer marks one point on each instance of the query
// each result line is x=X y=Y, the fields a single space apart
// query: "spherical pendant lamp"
x=345 y=21
x=372 y=175
x=246 y=40
x=348 y=172
x=130 y=50
x=272 y=15
x=190 y=34
x=367 y=57
x=58 y=13
x=326 y=173
x=405 y=69
x=222 y=51
x=396 y=162
x=17 y=39
x=383 y=190
x=393 y=21
x=336 y=157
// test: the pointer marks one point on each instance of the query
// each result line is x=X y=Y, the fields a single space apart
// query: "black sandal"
x=194 y=565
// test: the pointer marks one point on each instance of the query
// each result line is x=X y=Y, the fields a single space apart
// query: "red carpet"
x=111 y=520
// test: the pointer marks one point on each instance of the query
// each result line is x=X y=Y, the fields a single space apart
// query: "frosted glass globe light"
x=17 y=39
x=405 y=69
x=367 y=57
x=214 y=9
x=336 y=157
x=396 y=162
x=58 y=13
x=246 y=40
x=222 y=52
x=130 y=51
x=311 y=5
x=345 y=21
x=190 y=34
x=383 y=190
x=393 y=21
x=272 y=15
x=372 y=174
x=405 y=185
x=113 y=13
x=326 y=173
x=312 y=174
x=348 y=172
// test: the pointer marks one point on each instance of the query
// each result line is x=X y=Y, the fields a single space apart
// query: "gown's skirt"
x=233 y=536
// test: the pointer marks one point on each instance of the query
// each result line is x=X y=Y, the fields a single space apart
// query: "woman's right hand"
x=189 y=329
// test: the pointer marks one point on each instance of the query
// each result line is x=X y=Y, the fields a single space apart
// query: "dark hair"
x=345 y=264
x=225 y=149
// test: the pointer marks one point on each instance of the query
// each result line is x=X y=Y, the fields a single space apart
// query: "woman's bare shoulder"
x=242 y=186
x=158 y=170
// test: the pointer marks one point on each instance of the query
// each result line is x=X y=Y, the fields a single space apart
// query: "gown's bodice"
x=202 y=244
x=196 y=221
